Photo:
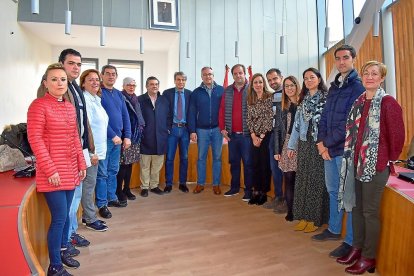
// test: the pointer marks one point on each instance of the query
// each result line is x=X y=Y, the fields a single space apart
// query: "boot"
x=362 y=265
x=310 y=227
x=301 y=225
x=351 y=258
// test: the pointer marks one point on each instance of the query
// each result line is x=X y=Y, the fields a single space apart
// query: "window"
x=358 y=4
x=129 y=68
x=335 y=21
x=89 y=63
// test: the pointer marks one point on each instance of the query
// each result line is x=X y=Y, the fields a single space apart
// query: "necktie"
x=179 y=107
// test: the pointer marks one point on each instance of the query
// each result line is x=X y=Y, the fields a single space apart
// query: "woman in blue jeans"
x=53 y=136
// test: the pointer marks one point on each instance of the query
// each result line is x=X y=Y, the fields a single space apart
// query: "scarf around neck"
x=311 y=108
x=368 y=154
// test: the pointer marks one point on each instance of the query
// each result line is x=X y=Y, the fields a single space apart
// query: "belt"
x=238 y=133
x=180 y=124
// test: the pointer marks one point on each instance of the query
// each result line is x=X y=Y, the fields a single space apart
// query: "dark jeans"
x=277 y=173
x=365 y=215
x=240 y=149
x=59 y=204
x=123 y=176
x=289 y=190
x=261 y=164
x=178 y=136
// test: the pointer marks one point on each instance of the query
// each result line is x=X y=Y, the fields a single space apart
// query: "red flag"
x=249 y=69
x=226 y=77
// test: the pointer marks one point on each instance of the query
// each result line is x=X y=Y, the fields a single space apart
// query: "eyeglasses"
x=208 y=75
x=287 y=86
x=131 y=85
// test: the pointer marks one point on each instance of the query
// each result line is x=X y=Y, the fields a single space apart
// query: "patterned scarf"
x=311 y=108
x=367 y=156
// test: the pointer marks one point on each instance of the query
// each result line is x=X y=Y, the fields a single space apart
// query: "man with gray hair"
x=178 y=98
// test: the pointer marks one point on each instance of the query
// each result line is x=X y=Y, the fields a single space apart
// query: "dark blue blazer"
x=157 y=124
x=170 y=96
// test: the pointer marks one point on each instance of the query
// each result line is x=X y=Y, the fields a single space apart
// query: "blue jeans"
x=59 y=204
x=205 y=138
x=240 y=148
x=106 y=178
x=178 y=136
x=73 y=218
x=332 y=172
x=276 y=171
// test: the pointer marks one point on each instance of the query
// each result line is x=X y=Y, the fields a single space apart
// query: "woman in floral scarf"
x=311 y=200
x=374 y=136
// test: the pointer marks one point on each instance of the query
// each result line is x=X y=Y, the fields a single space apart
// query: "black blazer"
x=169 y=94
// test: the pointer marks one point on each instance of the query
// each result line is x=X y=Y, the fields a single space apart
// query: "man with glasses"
x=179 y=98
x=118 y=126
x=204 y=127
x=232 y=121
x=344 y=90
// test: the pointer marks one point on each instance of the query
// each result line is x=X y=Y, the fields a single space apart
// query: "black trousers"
x=261 y=166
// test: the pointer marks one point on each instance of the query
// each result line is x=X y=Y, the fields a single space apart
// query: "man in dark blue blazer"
x=178 y=98
x=156 y=112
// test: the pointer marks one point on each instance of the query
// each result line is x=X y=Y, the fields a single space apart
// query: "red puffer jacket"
x=53 y=135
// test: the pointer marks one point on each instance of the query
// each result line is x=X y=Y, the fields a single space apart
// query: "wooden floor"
x=204 y=234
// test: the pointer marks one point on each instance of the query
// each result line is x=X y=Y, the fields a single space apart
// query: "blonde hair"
x=381 y=66
x=251 y=94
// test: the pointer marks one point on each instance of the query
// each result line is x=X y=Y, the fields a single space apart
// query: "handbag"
x=130 y=155
x=10 y=159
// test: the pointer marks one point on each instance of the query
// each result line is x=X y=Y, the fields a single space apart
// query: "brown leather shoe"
x=198 y=189
x=216 y=190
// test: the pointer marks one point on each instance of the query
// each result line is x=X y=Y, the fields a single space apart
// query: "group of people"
x=328 y=151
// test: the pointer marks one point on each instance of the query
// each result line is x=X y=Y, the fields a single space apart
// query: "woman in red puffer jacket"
x=54 y=138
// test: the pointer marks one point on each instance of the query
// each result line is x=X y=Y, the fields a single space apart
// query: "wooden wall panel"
x=371 y=49
x=403 y=24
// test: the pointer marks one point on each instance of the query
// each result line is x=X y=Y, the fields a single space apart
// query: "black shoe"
x=262 y=199
x=326 y=235
x=254 y=199
x=183 y=188
x=104 y=212
x=130 y=195
x=57 y=271
x=289 y=217
x=167 y=189
x=144 y=192
x=117 y=203
x=122 y=197
x=341 y=251
x=70 y=250
x=98 y=220
x=68 y=261
x=157 y=191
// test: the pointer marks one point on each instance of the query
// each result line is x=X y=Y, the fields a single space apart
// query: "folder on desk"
x=407 y=176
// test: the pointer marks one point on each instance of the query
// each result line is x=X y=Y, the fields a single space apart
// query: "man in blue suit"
x=178 y=98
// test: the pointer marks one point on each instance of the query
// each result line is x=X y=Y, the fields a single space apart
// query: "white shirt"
x=98 y=120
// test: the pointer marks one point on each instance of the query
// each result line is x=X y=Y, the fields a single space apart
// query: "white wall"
x=158 y=64
x=24 y=59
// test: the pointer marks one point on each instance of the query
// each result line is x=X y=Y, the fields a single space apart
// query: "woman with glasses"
x=374 y=137
x=282 y=131
x=132 y=154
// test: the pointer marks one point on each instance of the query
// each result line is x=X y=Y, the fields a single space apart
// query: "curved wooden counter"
x=395 y=256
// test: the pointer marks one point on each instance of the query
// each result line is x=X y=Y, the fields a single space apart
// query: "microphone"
x=28 y=171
